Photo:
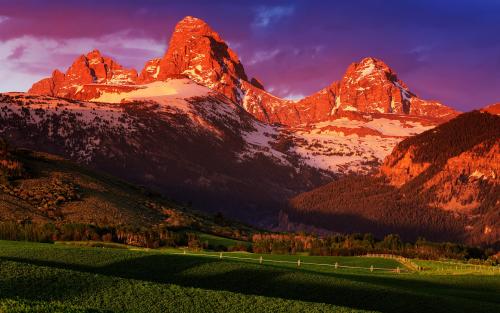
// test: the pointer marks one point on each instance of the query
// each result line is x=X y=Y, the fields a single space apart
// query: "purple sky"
x=443 y=50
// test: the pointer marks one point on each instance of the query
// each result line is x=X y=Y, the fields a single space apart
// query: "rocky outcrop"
x=492 y=109
x=150 y=71
x=92 y=68
x=400 y=167
x=458 y=187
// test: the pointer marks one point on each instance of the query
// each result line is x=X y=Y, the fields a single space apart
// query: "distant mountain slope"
x=441 y=184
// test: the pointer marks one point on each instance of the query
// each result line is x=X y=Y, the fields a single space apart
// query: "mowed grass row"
x=43 y=277
x=456 y=268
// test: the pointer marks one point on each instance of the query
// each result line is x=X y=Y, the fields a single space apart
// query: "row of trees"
x=361 y=244
x=160 y=236
x=142 y=237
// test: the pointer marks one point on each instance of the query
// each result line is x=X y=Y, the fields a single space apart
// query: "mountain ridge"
x=197 y=51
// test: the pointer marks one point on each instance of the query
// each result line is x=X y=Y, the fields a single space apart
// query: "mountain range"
x=193 y=126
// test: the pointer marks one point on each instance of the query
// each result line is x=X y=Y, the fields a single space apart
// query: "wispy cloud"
x=3 y=18
x=421 y=52
x=266 y=15
x=263 y=55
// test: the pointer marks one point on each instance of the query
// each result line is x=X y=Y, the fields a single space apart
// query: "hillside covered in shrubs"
x=44 y=197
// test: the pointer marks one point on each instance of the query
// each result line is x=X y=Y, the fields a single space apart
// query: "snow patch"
x=159 y=91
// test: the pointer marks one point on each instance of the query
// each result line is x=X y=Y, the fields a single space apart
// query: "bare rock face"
x=371 y=86
x=464 y=145
x=92 y=68
x=150 y=71
x=200 y=53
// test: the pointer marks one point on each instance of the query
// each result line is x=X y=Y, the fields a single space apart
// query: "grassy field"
x=63 y=278
x=214 y=241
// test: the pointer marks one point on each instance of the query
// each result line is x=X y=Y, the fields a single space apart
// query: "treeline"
x=361 y=244
x=452 y=138
x=154 y=237
x=271 y=243
x=369 y=204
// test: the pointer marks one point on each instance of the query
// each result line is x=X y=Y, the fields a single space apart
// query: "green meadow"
x=37 y=277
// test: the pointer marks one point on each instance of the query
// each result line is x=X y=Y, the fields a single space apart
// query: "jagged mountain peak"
x=372 y=86
x=90 y=68
x=374 y=68
x=194 y=25
x=199 y=52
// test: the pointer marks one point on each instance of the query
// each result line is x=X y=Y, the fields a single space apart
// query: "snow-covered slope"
x=175 y=136
x=356 y=143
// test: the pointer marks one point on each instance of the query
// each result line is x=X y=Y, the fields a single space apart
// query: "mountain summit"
x=199 y=52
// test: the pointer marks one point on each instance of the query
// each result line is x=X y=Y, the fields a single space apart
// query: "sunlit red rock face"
x=372 y=86
x=92 y=68
x=199 y=52
x=493 y=109
x=150 y=71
